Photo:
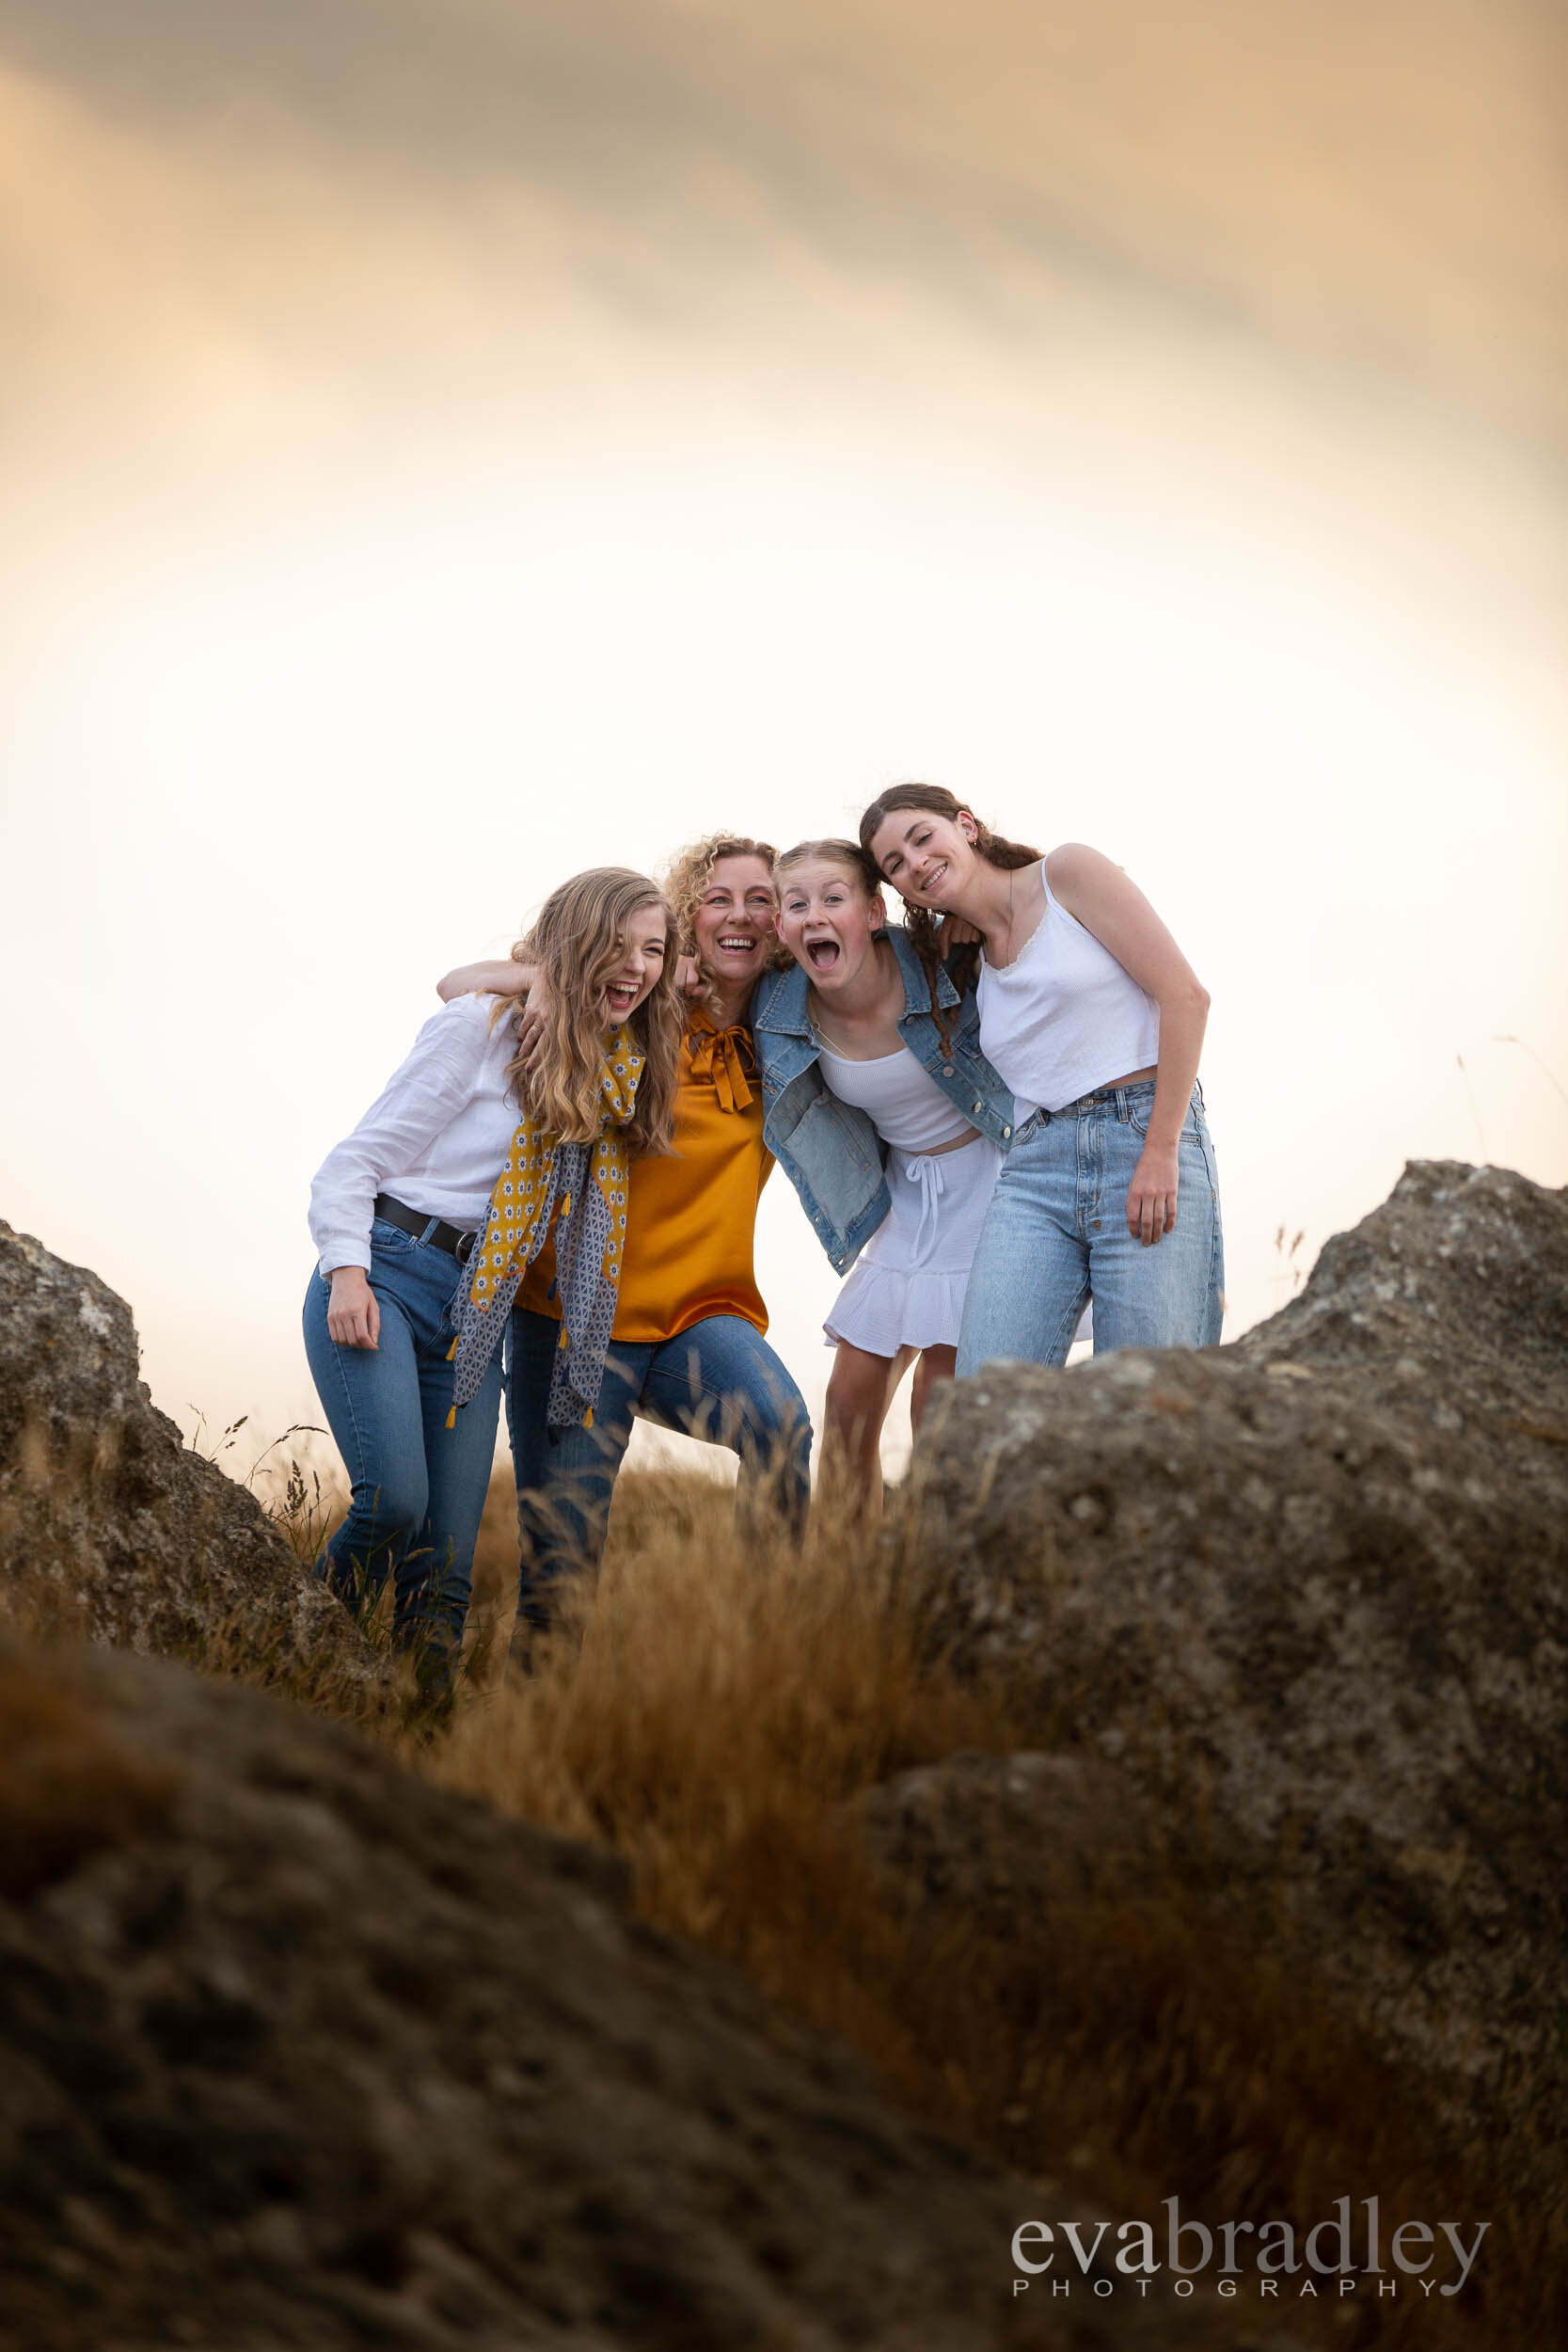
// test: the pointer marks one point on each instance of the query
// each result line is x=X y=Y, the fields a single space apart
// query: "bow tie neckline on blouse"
x=727 y=1057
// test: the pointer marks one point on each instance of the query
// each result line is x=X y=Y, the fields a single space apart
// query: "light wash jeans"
x=1056 y=1235
x=719 y=1380
x=418 y=1486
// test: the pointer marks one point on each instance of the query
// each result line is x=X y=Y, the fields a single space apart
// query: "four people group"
x=990 y=1116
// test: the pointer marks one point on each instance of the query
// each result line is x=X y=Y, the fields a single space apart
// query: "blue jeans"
x=1056 y=1235
x=418 y=1486
x=719 y=1380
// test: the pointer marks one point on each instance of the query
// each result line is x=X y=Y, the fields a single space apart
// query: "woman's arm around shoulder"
x=493 y=975
x=435 y=1080
x=501 y=977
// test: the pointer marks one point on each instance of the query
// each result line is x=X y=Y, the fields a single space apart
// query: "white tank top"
x=907 y=1107
x=1064 y=1017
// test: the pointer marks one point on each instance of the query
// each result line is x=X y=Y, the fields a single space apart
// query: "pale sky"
x=449 y=442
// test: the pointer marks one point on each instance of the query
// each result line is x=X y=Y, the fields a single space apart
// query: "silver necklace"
x=823 y=1034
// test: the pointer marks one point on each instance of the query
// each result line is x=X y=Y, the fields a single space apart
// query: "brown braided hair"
x=936 y=801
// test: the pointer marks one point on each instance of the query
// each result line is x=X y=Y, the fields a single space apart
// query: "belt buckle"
x=465 y=1245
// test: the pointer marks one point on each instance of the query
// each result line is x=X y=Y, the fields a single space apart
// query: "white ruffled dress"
x=907 y=1287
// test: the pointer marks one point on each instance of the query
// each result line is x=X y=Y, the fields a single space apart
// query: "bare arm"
x=496 y=976
x=953 y=931
x=499 y=976
x=1099 y=895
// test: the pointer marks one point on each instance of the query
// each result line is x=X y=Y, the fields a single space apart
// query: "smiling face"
x=926 y=858
x=828 y=920
x=630 y=975
x=733 y=927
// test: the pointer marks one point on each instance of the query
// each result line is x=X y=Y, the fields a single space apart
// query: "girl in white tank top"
x=1093 y=1016
x=903 y=1301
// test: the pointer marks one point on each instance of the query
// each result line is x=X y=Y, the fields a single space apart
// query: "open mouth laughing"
x=825 y=955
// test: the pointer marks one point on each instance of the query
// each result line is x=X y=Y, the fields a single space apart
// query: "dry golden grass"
x=725 y=1703
x=713 y=1714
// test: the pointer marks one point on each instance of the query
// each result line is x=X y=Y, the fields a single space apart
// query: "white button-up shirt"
x=436 y=1137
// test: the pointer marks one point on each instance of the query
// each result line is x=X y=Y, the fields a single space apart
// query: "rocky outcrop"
x=299 y=2050
x=1313 y=1588
x=1128 y=1959
x=110 y=1527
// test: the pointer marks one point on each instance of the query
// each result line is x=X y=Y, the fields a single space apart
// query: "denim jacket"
x=829 y=1150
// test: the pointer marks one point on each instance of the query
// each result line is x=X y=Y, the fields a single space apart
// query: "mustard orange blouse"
x=691 y=1217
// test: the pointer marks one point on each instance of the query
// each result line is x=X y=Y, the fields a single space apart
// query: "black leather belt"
x=457 y=1239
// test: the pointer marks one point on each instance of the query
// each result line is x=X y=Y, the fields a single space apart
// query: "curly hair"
x=687 y=876
x=936 y=801
x=577 y=941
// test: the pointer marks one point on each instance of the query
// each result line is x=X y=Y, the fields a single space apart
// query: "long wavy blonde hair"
x=576 y=941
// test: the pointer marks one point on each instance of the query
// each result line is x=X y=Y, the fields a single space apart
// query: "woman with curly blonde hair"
x=426 y=1217
x=687 y=1348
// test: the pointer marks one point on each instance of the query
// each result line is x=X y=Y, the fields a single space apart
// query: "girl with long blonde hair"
x=688 y=1349
x=426 y=1217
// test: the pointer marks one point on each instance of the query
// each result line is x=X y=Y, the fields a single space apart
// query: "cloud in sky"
x=1148 y=418
x=1382 y=192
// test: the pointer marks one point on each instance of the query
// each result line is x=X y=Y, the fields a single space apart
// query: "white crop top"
x=1064 y=1017
x=907 y=1107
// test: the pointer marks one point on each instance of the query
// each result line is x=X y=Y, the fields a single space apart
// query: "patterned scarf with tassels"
x=589 y=1182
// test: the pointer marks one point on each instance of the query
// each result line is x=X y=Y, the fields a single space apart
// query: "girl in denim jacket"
x=892 y=1126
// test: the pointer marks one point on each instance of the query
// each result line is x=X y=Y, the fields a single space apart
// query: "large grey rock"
x=1154 y=2026
x=301 y=2051
x=1312 y=1587
x=111 y=1527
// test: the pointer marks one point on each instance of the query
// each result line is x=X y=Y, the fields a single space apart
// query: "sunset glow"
x=447 y=446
